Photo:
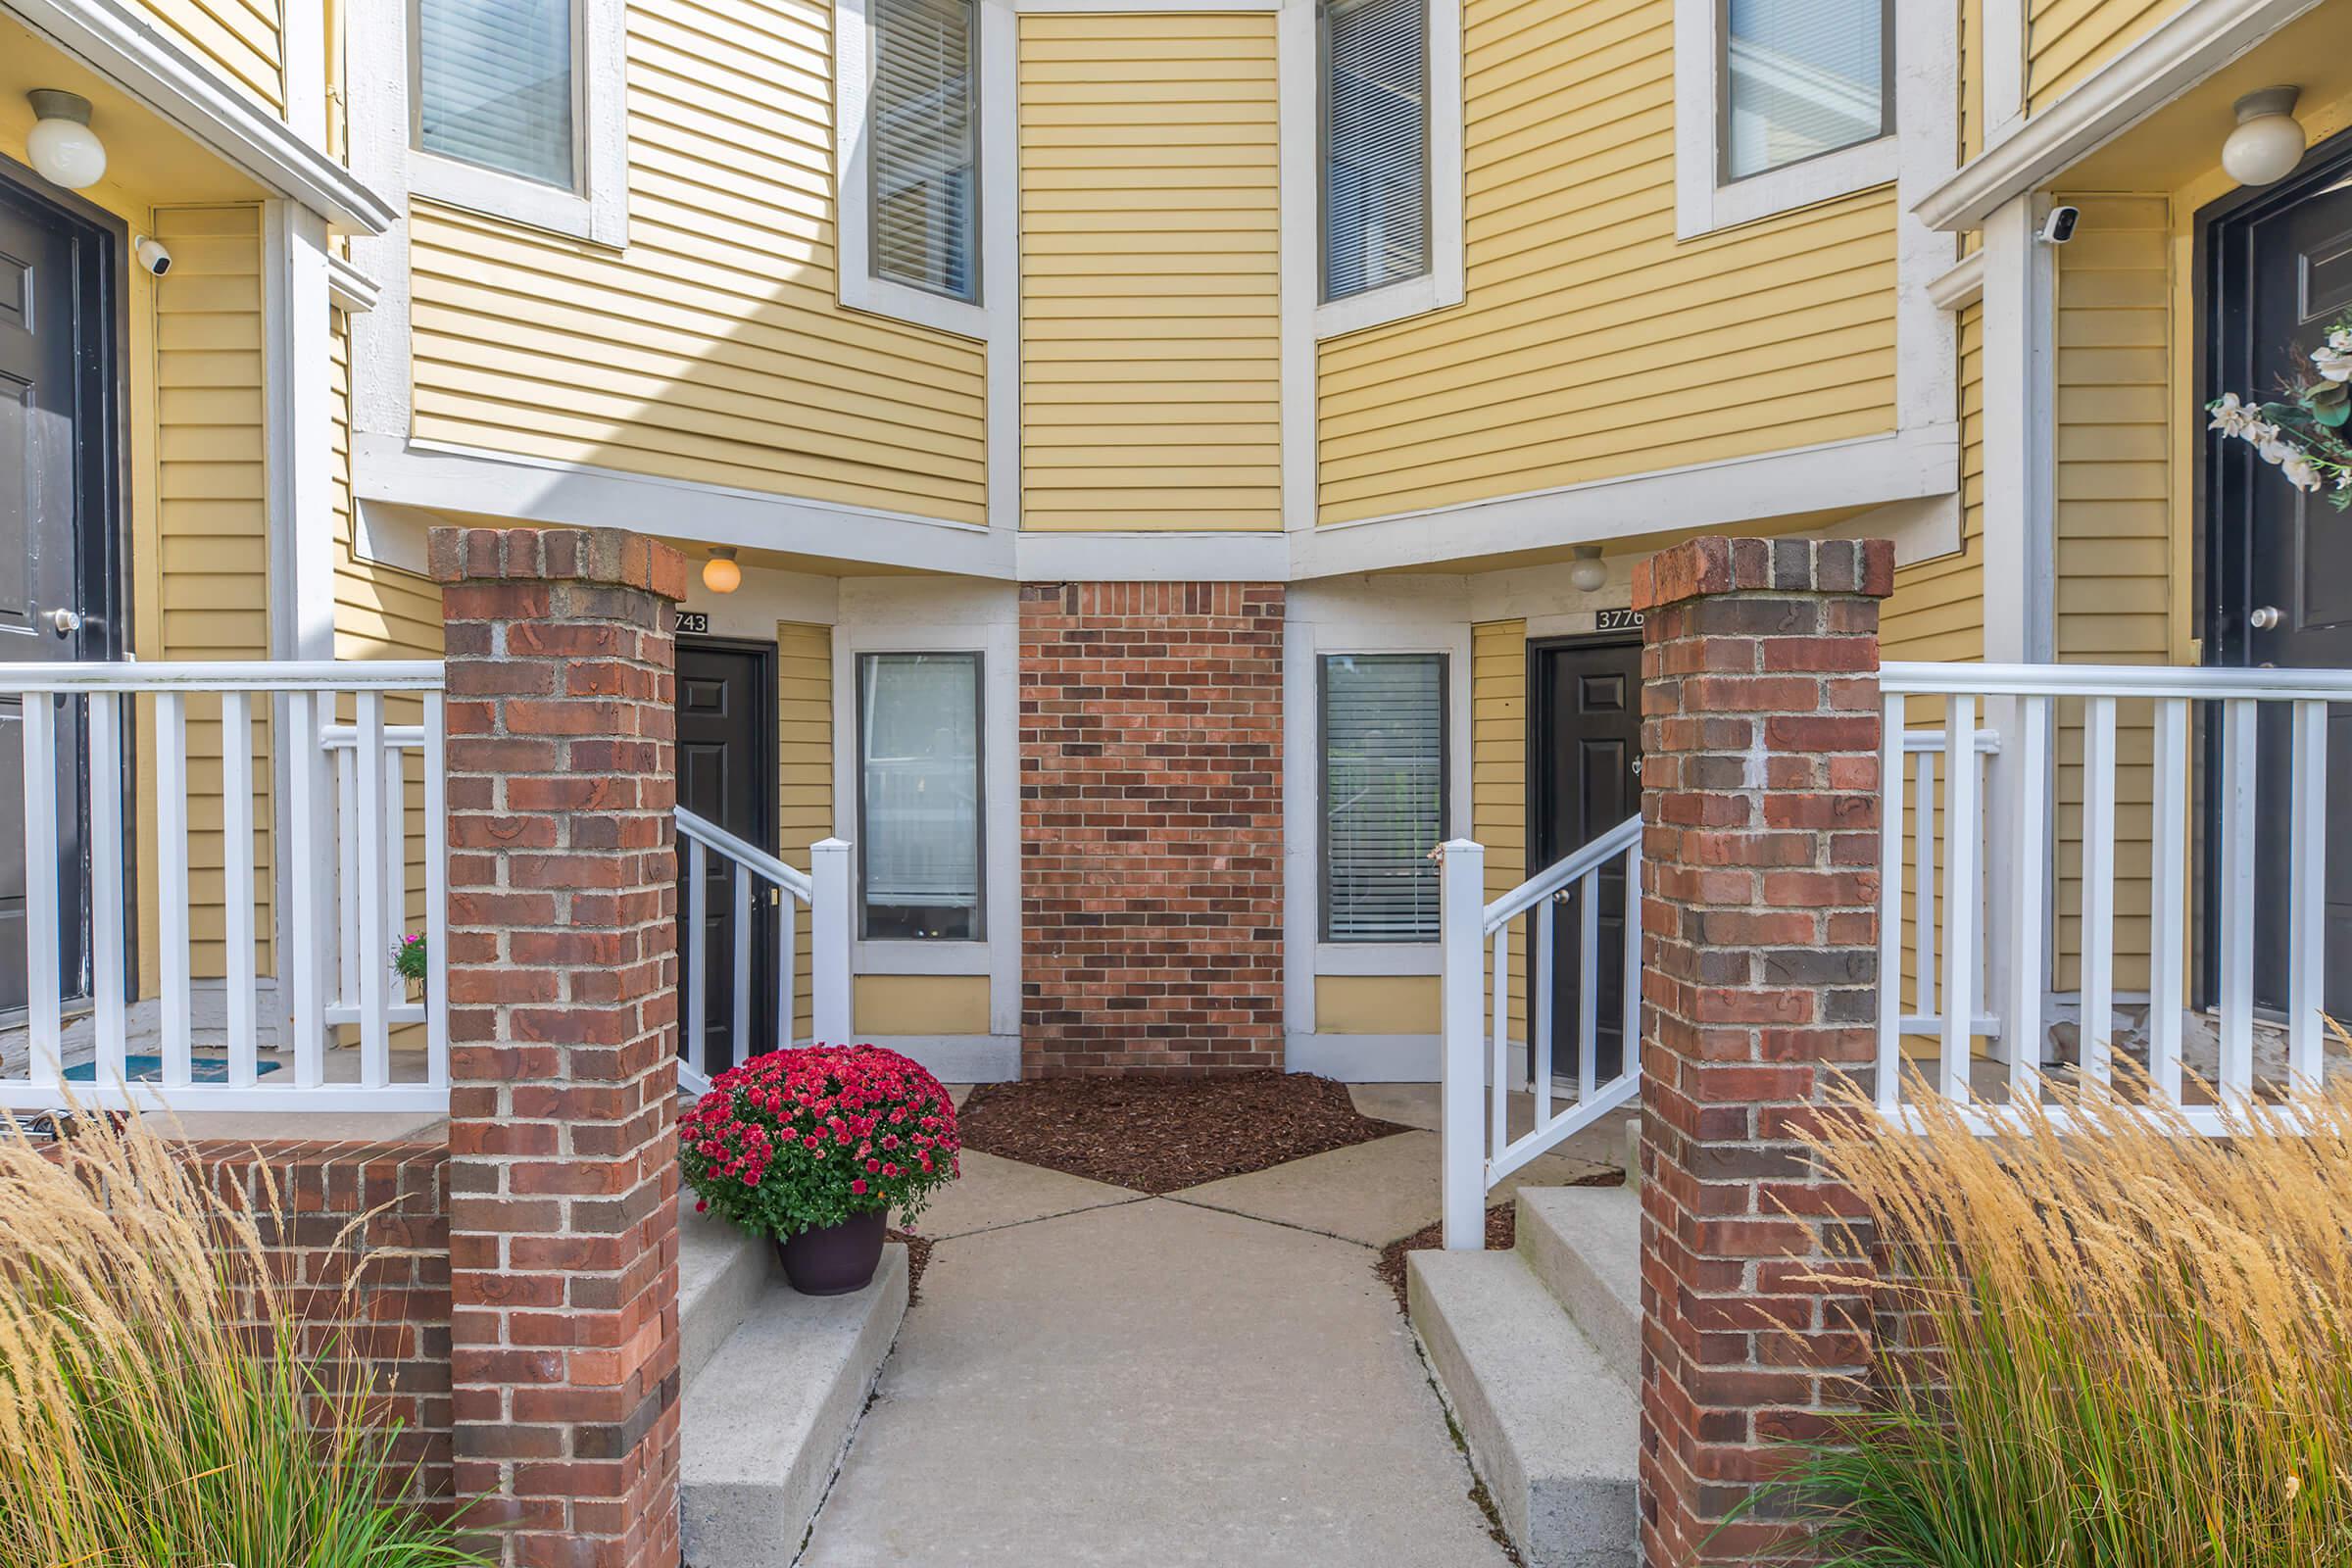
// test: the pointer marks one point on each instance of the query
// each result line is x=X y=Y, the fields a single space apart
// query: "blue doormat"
x=143 y=1069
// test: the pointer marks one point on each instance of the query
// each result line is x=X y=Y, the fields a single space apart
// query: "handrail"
x=300 y=675
x=2112 y=680
x=746 y=854
x=1543 y=884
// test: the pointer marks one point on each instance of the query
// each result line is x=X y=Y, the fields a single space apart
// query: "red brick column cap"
x=1714 y=565
x=605 y=555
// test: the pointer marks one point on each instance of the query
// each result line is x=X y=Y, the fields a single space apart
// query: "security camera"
x=2059 y=227
x=152 y=255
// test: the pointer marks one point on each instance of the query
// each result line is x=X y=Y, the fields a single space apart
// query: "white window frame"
x=1443 y=284
x=996 y=176
x=1702 y=201
x=598 y=211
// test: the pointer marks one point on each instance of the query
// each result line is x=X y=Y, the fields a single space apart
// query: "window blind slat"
x=1802 y=77
x=494 y=85
x=1383 y=795
x=1375 y=145
x=922 y=145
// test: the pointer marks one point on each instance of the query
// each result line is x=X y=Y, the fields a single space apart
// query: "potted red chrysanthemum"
x=815 y=1147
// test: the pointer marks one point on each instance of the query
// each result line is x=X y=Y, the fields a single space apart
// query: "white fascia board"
x=455 y=479
x=117 y=41
x=1960 y=285
x=1869 y=471
x=2180 y=52
x=350 y=289
x=1151 y=557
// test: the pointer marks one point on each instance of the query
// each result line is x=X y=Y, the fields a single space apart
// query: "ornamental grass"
x=2145 y=1343
x=145 y=1422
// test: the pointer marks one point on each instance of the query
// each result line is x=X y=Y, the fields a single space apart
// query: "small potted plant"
x=815 y=1147
x=408 y=962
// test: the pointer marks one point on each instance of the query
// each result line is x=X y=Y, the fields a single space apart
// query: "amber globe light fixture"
x=721 y=575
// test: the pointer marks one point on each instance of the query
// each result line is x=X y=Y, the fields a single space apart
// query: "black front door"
x=57 y=388
x=2280 y=578
x=726 y=693
x=1583 y=779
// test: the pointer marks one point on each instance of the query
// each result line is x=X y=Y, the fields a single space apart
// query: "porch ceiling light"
x=1591 y=573
x=61 y=146
x=721 y=575
x=2268 y=140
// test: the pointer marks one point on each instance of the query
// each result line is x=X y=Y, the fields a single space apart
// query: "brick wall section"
x=1151 y=827
x=562 y=1013
x=307 y=1200
x=1760 y=740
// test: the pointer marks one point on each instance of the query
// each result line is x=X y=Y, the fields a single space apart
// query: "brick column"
x=1151 y=827
x=1759 y=923
x=562 y=1008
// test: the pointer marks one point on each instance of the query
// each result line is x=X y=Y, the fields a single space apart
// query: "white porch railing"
x=824 y=891
x=2059 y=798
x=268 y=729
x=1479 y=1067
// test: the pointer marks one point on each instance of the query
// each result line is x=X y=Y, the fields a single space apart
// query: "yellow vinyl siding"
x=2113 y=532
x=804 y=773
x=1593 y=344
x=1376 y=1004
x=919 y=1005
x=713 y=349
x=1150 y=230
x=203 y=580
x=2066 y=41
x=1498 y=778
x=1972 y=78
x=239 y=38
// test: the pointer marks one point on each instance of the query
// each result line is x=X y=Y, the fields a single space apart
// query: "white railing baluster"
x=741 y=1047
x=300 y=929
x=1923 y=898
x=788 y=963
x=343 y=984
x=374 y=947
x=1461 y=962
x=2028 y=752
x=1962 y=834
x=2168 y=896
x=2307 y=896
x=108 y=888
x=1631 y=960
x=695 y=971
x=1588 y=987
x=1540 y=1016
x=436 y=892
x=831 y=911
x=2096 y=1035
x=1499 y=1081
x=44 y=981
x=396 y=863
x=238 y=1010
x=1890 y=1070
x=2236 y=939
x=176 y=1001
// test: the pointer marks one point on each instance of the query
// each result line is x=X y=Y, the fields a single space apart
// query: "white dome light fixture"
x=1591 y=573
x=2268 y=140
x=721 y=575
x=61 y=146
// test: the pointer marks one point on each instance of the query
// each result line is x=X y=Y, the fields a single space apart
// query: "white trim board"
x=2193 y=43
x=957 y=1059
x=117 y=39
x=1365 y=1059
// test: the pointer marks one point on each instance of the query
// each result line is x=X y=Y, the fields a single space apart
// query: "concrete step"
x=765 y=1426
x=1585 y=1244
x=721 y=1273
x=1552 y=1430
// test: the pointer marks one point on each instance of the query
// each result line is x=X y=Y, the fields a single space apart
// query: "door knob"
x=2265 y=618
x=65 y=622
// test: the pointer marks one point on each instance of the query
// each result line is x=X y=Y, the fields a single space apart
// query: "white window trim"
x=1443 y=284
x=600 y=212
x=995 y=179
x=1703 y=205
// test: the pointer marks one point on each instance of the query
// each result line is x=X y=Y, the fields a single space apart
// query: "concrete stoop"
x=775 y=1383
x=1544 y=1400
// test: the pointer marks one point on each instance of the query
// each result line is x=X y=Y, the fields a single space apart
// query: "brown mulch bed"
x=918 y=1258
x=1502 y=1234
x=1159 y=1135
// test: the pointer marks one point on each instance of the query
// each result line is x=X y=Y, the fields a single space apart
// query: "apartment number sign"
x=1617 y=621
x=692 y=620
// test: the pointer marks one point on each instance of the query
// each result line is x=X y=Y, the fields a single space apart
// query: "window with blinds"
x=1383 y=795
x=918 y=758
x=1375 y=114
x=922 y=145
x=1800 y=77
x=494 y=85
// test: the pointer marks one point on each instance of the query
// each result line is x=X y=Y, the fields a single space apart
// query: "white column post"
x=1462 y=946
x=829 y=915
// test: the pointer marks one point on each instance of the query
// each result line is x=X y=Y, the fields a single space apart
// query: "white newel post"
x=829 y=915
x=1462 y=942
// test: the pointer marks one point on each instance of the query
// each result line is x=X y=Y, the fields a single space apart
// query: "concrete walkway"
x=1093 y=1376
